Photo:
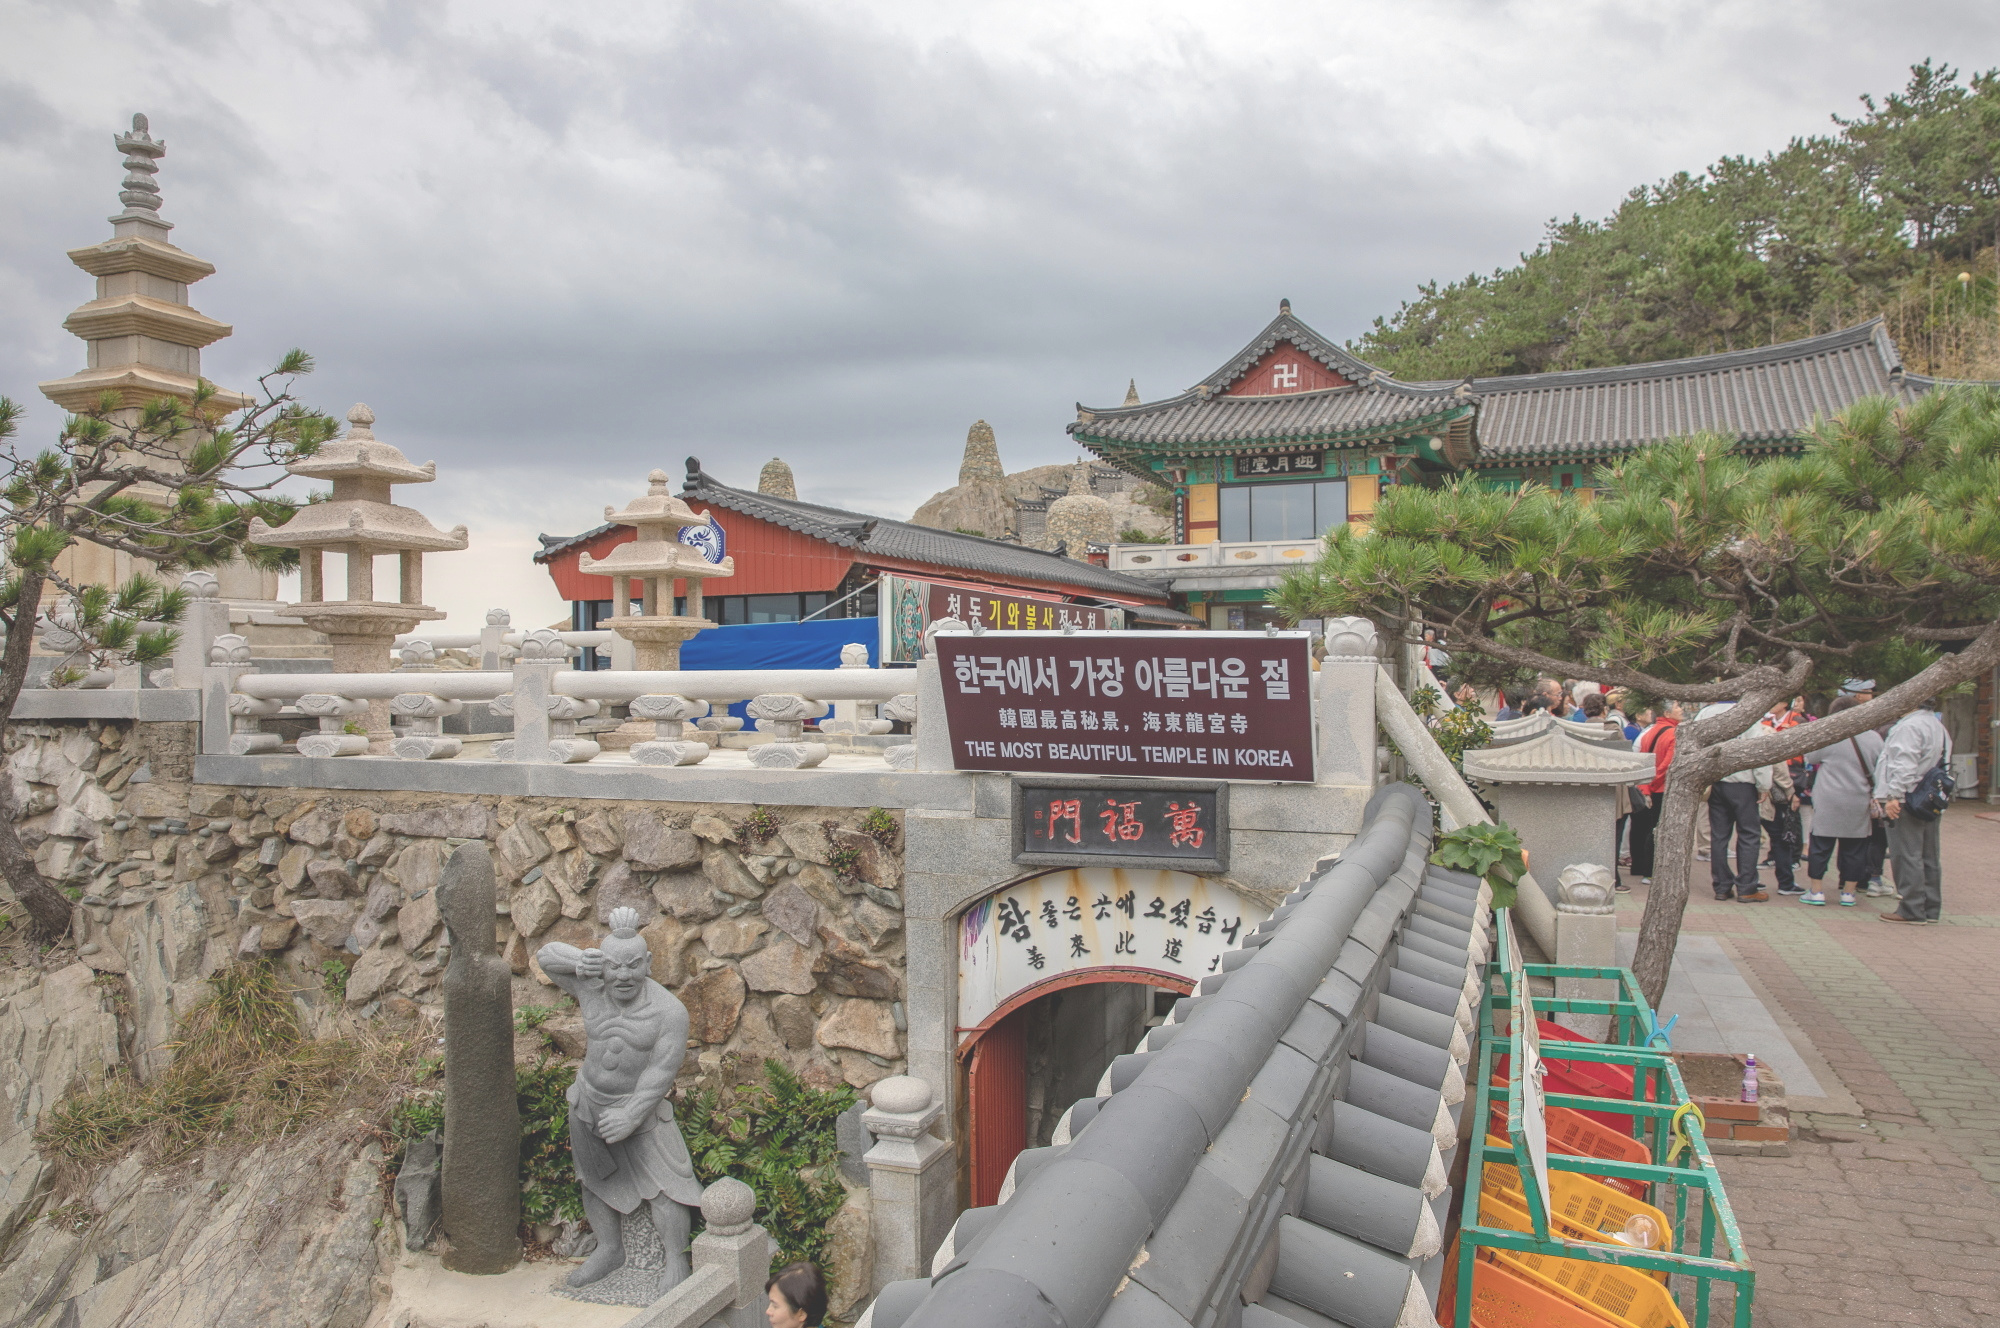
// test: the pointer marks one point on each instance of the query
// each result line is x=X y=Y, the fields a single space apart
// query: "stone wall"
x=781 y=930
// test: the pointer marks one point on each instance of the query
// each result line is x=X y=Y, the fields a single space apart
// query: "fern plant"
x=777 y=1137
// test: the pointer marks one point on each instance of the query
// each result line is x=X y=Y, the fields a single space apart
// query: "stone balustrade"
x=550 y=703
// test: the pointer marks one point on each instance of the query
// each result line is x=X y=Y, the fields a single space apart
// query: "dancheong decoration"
x=1167 y=923
x=1231 y=705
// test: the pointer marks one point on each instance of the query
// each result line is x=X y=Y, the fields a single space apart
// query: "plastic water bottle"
x=1750 y=1078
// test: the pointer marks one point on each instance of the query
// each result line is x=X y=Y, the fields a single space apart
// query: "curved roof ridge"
x=1874 y=330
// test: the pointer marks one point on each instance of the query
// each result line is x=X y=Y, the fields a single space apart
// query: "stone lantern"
x=656 y=560
x=1557 y=789
x=359 y=521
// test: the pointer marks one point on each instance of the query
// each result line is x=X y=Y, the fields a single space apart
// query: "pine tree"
x=171 y=482
x=1710 y=577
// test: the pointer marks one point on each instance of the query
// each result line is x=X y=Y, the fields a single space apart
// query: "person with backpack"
x=1913 y=783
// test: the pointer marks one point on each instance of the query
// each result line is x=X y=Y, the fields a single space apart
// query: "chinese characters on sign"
x=1221 y=704
x=1166 y=922
x=1278 y=463
x=1121 y=819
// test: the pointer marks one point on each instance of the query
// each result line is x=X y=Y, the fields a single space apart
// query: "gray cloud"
x=554 y=248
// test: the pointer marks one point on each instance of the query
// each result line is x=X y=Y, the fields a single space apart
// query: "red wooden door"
x=996 y=1095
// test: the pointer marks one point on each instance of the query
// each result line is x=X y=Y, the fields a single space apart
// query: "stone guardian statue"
x=628 y=1149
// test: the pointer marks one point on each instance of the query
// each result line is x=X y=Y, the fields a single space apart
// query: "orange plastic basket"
x=1625 y=1296
x=1578 y=1135
x=1504 y=1299
x=1508 y=1208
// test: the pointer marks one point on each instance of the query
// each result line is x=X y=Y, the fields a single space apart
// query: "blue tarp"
x=795 y=645
x=806 y=645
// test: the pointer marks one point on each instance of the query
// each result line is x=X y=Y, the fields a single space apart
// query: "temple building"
x=796 y=560
x=1294 y=435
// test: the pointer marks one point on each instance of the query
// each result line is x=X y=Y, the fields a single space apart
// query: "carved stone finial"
x=727 y=1207
x=543 y=643
x=656 y=481
x=142 y=151
x=1350 y=637
x=498 y=618
x=229 y=648
x=854 y=655
x=1587 y=888
x=201 y=584
x=362 y=419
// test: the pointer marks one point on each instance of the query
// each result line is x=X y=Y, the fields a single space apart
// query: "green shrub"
x=778 y=1138
x=549 y=1192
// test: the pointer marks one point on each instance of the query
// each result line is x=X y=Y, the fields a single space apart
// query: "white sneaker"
x=1816 y=899
x=1846 y=899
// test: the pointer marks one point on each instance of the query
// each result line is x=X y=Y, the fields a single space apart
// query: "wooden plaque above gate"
x=1173 y=825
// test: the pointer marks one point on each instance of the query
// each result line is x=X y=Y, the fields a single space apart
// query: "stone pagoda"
x=359 y=521
x=656 y=560
x=145 y=342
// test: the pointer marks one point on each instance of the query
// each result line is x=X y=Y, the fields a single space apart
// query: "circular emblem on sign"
x=709 y=539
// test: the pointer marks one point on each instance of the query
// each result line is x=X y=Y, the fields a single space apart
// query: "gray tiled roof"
x=895 y=539
x=1199 y=420
x=1765 y=397
x=1277 y=1143
x=885 y=538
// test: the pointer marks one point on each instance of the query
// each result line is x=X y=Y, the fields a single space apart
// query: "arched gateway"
x=1061 y=973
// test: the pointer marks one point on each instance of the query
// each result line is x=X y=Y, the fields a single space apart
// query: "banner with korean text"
x=1228 y=705
x=1095 y=919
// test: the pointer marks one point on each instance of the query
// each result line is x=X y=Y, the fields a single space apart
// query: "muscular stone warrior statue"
x=621 y=1125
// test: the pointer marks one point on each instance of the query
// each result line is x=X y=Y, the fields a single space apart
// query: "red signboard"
x=1227 y=705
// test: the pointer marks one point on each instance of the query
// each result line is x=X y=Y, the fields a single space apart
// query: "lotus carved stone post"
x=669 y=715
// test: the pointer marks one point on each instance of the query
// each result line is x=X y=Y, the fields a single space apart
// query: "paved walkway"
x=1888 y=1209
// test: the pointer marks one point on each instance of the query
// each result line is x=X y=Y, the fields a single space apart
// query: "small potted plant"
x=1489 y=850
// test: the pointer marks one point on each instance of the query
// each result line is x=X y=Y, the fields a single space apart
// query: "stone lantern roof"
x=1509 y=731
x=360 y=513
x=659 y=517
x=1557 y=755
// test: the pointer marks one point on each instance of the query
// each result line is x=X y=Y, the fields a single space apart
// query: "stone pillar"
x=731 y=1259
x=542 y=656
x=1347 y=704
x=228 y=660
x=912 y=1183
x=493 y=640
x=206 y=619
x=933 y=737
x=482 y=1123
x=1586 y=937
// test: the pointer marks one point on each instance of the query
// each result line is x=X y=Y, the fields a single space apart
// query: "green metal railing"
x=1661 y=1116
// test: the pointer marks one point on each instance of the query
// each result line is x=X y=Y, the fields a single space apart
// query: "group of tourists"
x=1859 y=792
x=1860 y=795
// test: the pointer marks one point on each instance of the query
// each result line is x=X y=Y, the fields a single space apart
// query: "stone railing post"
x=334 y=713
x=783 y=715
x=544 y=719
x=1586 y=937
x=901 y=709
x=933 y=739
x=669 y=714
x=416 y=656
x=730 y=1262
x=911 y=1182
x=422 y=738
x=492 y=640
x=1347 y=703
x=205 y=621
x=224 y=714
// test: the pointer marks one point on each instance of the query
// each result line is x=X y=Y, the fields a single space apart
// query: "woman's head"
x=1593 y=705
x=796 y=1297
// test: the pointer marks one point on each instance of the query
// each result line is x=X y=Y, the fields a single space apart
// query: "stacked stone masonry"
x=781 y=931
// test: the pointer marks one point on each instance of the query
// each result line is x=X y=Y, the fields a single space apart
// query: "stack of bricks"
x=1735 y=1128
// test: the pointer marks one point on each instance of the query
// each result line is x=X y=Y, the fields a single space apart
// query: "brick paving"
x=1892 y=1216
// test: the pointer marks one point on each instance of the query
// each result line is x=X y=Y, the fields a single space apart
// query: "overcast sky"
x=555 y=246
